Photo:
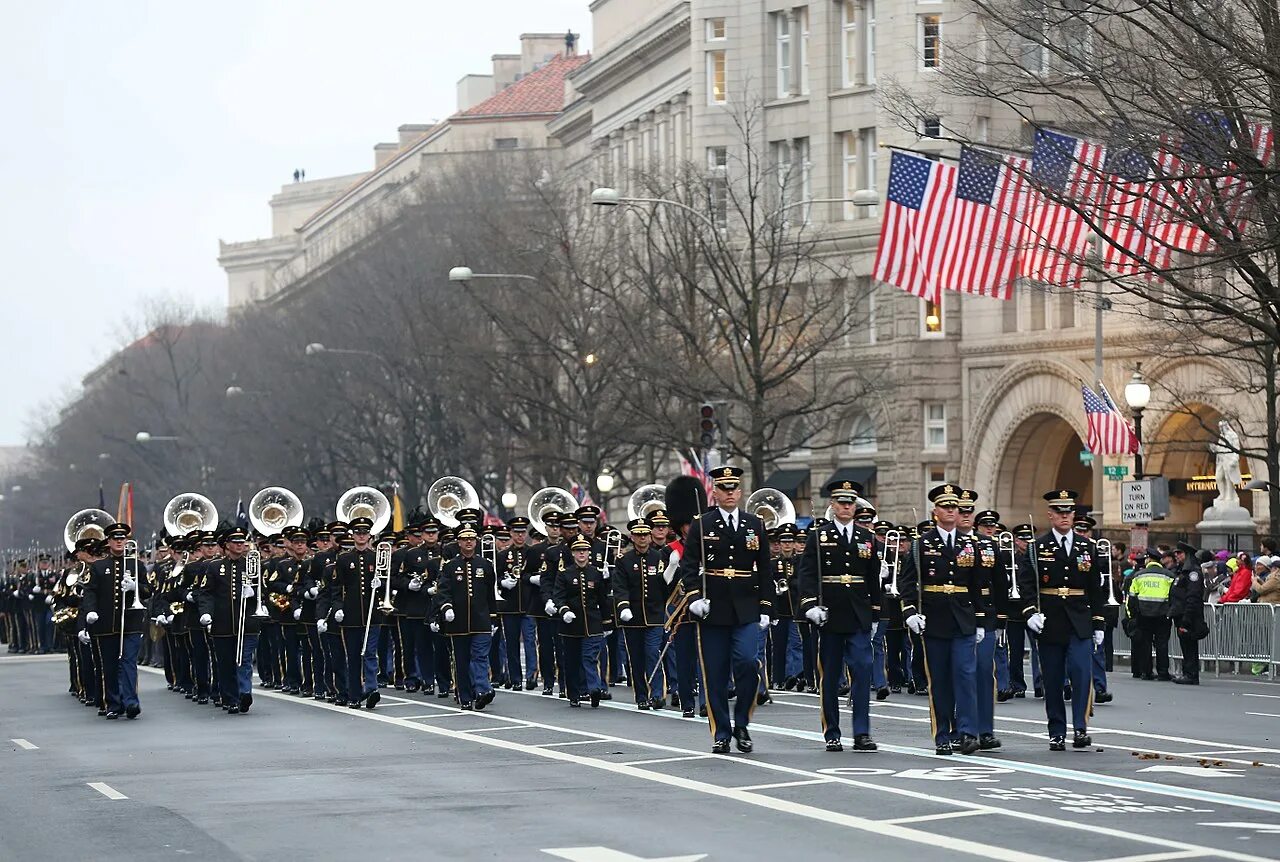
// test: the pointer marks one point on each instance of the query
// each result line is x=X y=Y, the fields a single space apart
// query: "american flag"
x=1064 y=170
x=917 y=218
x=980 y=253
x=695 y=467
x=1126 y=215
x=1108 y=432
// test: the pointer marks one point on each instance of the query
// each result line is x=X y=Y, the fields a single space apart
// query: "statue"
x=1226 y=452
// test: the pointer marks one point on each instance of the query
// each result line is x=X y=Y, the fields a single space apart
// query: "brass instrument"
x=86 y=524
x=772 y=507
x=129 y=569
x=893 y=556
x=489 y=551
x=363 y=501
x=188 y=512
x=381 y=569
x=546 y=501
x=449 y=495
x=1004 y=542
x=272 y=509
x=646 y=500
x=252 y=575
x=1104 y=551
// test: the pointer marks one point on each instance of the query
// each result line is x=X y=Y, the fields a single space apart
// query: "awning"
x=862 y=475
x=787 y=481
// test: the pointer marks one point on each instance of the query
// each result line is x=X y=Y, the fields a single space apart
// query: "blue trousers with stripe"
x=951 y=665
x=836 y=651
x=729 y=650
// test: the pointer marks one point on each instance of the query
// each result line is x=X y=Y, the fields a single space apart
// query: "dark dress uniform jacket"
x=1186 y=602
x=739 y=577
x=352 y=586
x=512 y=564
x=103 y=595
x=555 y=560
x=1071 y=593
x=850 y=575
x=278 y=577
x=219 y=595
x=586 y=593
x=466 y=588
x=638 y=586
x=890 y=606
x=956 y=604
x=406 y=564
x=787 y=603
x=990 y=578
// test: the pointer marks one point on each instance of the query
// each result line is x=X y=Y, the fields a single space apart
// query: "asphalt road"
x=1175 y=773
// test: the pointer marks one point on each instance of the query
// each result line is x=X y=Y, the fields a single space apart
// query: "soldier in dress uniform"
x=942 y=602
x=224 y=598
x=725 y=572
x=108 y=593
x=408 y=571
x=356 y=588
x=437 y=676
x=1018 y=636
x=686 y=501
x=897 y=646
x=1063 y=574
x=585 y=612
x=986 y=571
x=43 y=580
x=516 y=592
x=287 y=594
x=312 y=648
x=555 y=560
x=328 y=600
x=640 y=598
x=786 y=607
x=840 y=594
x=467 y=601
x=987 y=524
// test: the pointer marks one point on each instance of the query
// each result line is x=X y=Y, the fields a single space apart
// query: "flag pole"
x=1100 y=304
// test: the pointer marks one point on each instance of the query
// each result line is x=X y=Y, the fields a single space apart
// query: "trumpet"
x=1104 y=551
x=1004 y=542
x=892 y=556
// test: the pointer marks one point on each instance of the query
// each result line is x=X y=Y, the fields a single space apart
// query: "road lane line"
x=1155 y=857
x=107 y=790
x=499 y=727
x=1251 y=694
x=780 y=784
x=671 y=759
x=572 y=742
x=24 y=744
x=1265 y=714
x=926 y=818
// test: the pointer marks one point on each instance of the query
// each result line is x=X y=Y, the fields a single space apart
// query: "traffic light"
x=708 y=425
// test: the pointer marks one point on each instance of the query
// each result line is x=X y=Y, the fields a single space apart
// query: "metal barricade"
x=1239 y=633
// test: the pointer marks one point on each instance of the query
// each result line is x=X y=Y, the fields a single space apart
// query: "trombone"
x=489 y=551
x=1104 y=551
x=129 y=568
x=252 y=574
x=892 y=555
x=381 y=569
x=1006 y=547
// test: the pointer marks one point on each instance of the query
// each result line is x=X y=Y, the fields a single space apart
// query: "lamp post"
x=604 y=484
x=1138 y=395
x=464 y=274
x=145 y=437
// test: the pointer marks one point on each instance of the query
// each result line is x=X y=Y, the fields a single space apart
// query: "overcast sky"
x=138 y=134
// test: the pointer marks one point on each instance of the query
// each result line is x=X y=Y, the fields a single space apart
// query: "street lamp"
x=464 y=275
x=314 y=348
x=104 y=456
x=590 y=359
x=1138 y=395
x=604 y=484
x=144 y=437
x=509 y=499
x=234 y=391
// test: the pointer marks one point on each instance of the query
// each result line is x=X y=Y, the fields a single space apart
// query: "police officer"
x=732 y=598
x=1147 y=605
x=1186 y=609
x=466 y=602
x=942 y=602
x=585 y=611
x=840 y=593
x=1069 y=620
x=640 y=594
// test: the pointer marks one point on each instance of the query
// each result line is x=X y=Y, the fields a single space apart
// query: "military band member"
x=992 y=593
x=466 y=601
x=555 y=560
x=313 y=646
x=438 y=676
x=942 y=602
x=356 y=586
x=328 y=602
x=784 y=632
x=583 y=606
x=107 y=595
x=225 y=599
x=44 y=580
x=1069 y=620
x=840 y=593
x=732 y=598
x=1016 y=633
x=516 y=592
x=640 y=598
x=408 y=570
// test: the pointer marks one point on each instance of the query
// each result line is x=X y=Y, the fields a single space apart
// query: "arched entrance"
x=1042 y=453
x=1179 y=451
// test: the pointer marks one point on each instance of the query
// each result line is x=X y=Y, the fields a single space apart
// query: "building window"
x=1009 y=311
x=1037 y=306
x=1066 y=309
x=715 y=30
x=718 y=183
x=717 y=94
x=930 y=127
x=869 y=146
x=932 y=322
x=935 y=425
x=848 y=43
x=982 y=129
x=934 y=475
x=506 y=143
x=869 y=41
x=862 y=435
x=804 y=50
x=794 y=176
x=930 y=41
x=782 y=51
x=849 y=172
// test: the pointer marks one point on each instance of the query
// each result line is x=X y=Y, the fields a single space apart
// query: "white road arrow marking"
x=604 y=854
x=955 y=773
x=1206 y=771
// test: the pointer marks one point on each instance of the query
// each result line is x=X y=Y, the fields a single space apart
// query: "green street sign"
x=1116 y=471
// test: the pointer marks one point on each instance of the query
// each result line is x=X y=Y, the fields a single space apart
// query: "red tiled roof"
x=539 y=92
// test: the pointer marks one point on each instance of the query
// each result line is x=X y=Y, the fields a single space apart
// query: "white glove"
x=700 y=608
x=289 y=589
x=127 y=585
x=376 y=583
x=1098 y=638
x=206 y=620
x=190 y=597
x=781 y=590
x=764 y=621
x=1035 y=622
x=569 y=617
x=48 y=600
x=322 y=626
x=493 y=631
x=915 y=622
x=91 y=617
x=83 y=636
x=978 y=634
x=415 y=584
x=168 y=620
x=31 y=596
x=626 y=615
x=313 y=592
x=297 y=614
x=36 y=590
x=669 y=573
x=884 y=570
x=509 y=583
x=1002 y=638
x=431 y=590
x=338 y=615
x=816 y=615
x=550 y=608
x=249 y=593
x=158 y=620
x=536 y=580
x=449 y=615
x=608 y=633
x=435 y=627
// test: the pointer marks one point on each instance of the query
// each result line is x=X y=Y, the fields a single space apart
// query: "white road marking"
x=1265 y=714
x=520 y=726
x=384 y=705
x=571 y=742
x=671 y=759
x=1251 y=694
x=107 y=790
x=606 y=854
x=22 y=743
x=780 y=784
x=1156 y=857
x=925 y=818
x=435 y=715
x=1202 y=771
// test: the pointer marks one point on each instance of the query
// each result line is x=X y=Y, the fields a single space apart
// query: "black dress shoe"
x=412 y=687
x=574 y=703
x=882 y=693
x=444 y=692
x=657 y=703
x=530 y=684
x=834 y=745
x=702 y=711
x=762 y=698
x=644 y=705
x=1039 y=692
x=811 y=689
x=355 y=704
x=563 y=695
x=320 y=696
x=485 y=699
x=1081 y=740
x=895 y=689
x=466 y=706
x=743 y=740
x=943 y=749
x=1187 y=680
x=969 y=744
x=132 y=711
x=595 y=699
x=188 y=696
x=548 y=691
x=428 y=690
x=605 y=695
x=1163 y=677
x=843 y=689
x=372 y=700
x=233 y=710
x=864 y=742
x=688 y=713
x=111 y=716
x=1103 y=697
x=1003 y=695
x=720 y=746
x=1020 y=694
x=246 y=701
x=675 y=701
x=102 y=712
x=1057 y=743
x=921 y=692
x=399 y=686
x=202 y=700
x=988 y=741
x=339 y=702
